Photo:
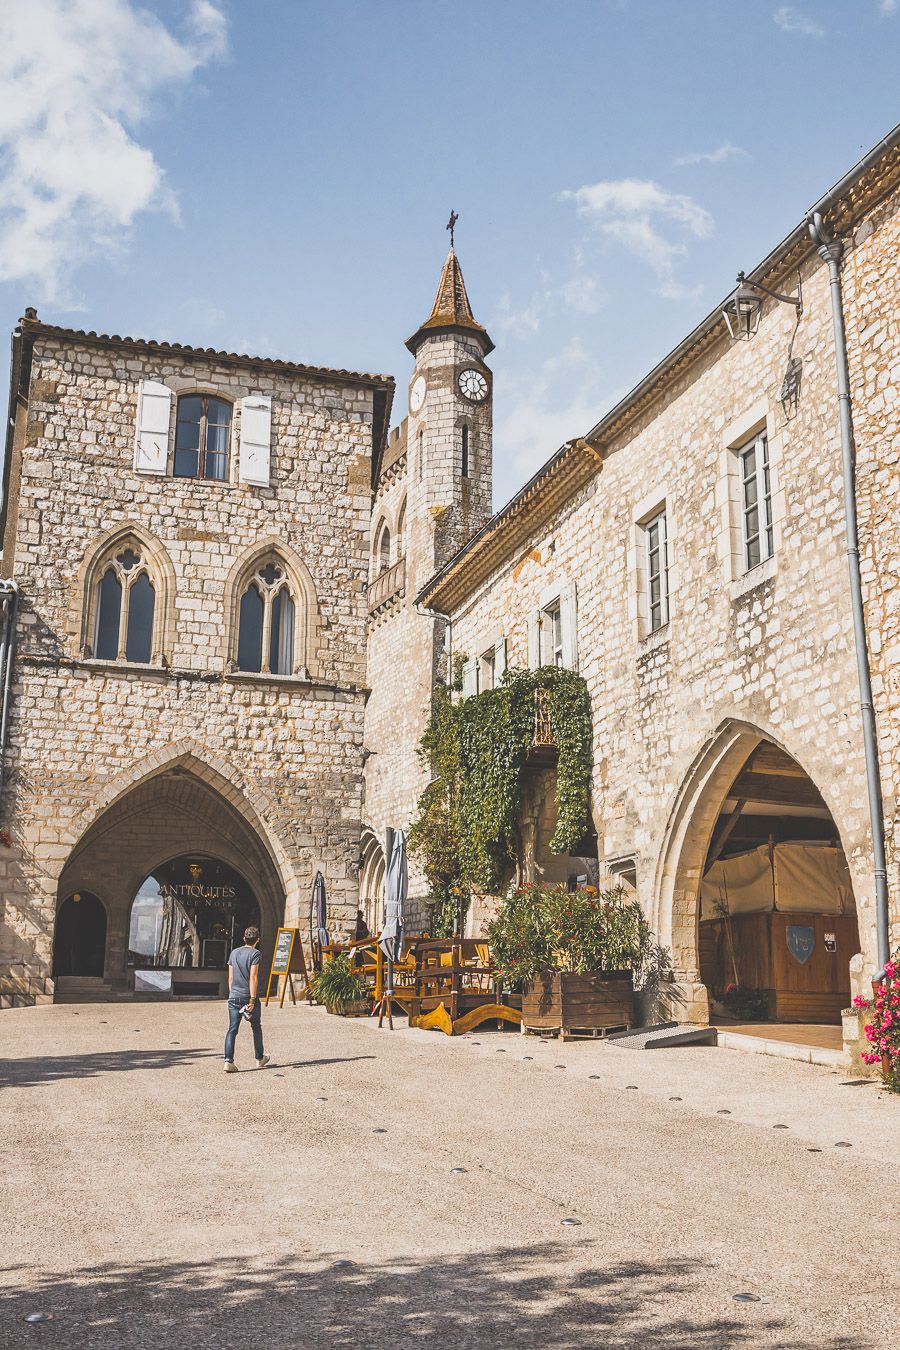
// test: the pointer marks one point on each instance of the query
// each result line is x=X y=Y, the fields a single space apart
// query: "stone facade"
x=748 y=654
x=114 y=767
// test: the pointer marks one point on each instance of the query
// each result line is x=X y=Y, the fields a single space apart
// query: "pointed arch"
x=145 y=557
x=401 y=530
x=298 y=649
x=381 y=546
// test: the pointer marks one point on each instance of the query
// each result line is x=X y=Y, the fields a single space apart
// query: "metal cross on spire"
x=451 y=225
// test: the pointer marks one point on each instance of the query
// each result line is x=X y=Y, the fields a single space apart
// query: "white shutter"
x=534 y=639
x=569 y=619
x=256 y=439
x=499 y=661
x=470 y=679
x=151 y=441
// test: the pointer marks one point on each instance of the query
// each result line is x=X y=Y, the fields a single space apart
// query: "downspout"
x=448 y=619
x=9 y=601
x=831 y=250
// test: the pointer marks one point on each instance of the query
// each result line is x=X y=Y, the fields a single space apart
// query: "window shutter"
x=470 y=679
x=569 y=619
x=256 y=439
x=151 y=443
x=499 y=661
x=534 y=640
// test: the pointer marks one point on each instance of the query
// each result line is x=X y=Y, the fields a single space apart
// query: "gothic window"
x=464 y=448
x=401 y=531
x=382 y=550
x=124 y=604
x=266 y=621
x=202 y=434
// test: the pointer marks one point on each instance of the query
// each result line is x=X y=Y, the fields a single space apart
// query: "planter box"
x=572 y=1004
x=359 y=1007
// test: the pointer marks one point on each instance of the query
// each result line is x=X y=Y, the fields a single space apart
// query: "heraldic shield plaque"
x=800 y=940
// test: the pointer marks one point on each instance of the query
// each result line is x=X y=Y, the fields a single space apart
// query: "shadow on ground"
x=53 y=1068
x=550 y=1296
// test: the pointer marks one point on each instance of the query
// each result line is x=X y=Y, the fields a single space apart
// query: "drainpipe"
x=831 y=250
x=9 y=602
x=448 y=619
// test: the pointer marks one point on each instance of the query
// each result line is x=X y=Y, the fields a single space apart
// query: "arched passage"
x=79 y=945
x=371 y=880
x=179 y=828
x=755 y=899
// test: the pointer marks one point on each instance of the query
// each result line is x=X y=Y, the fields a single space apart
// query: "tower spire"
x=451 y=310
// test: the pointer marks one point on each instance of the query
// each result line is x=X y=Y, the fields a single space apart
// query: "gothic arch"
x=686 y=840
x=82 y=608
x=371 y=878
x=307 y=617
x=382 y=535
x=263 y=816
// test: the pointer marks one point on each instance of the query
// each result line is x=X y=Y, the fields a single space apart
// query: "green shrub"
x=336 y=986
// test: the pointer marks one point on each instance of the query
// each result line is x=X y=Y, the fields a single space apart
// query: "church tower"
x=432 y=494
x=449 y=453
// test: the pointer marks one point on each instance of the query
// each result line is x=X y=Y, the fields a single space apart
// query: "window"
x=124 y=605
x=756 y=490
x=464 y=442
x=657 y=572
x=552 y=635
x=487 y=669
x=202 y=433
x=401 y=532
x=266 y=615
x=382 y=549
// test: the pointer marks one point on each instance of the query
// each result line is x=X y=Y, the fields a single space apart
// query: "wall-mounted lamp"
x=743 y=307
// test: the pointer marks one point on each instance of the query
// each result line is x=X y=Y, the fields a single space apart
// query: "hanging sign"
x=800 y=940
x=830 y=942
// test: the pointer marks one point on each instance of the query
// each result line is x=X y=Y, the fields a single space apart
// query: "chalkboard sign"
x=284 y=946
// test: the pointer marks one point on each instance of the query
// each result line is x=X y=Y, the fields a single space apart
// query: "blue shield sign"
x=800 y=940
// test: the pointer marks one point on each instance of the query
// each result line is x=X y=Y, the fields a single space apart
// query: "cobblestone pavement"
x=373 y=1189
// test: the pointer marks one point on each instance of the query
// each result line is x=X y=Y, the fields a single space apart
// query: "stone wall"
x=285 y=752
x=767 y=654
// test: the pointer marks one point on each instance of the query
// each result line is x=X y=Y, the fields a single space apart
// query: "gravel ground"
x=151 y=1200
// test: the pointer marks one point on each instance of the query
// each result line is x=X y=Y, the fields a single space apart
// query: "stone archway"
x=696 y=816
x=176 y=811
x=79 y=946
x=371 y=879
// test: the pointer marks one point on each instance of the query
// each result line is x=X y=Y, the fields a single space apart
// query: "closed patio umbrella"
x=391 y=940
x=318 y=918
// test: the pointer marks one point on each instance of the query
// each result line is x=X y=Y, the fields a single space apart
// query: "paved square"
x=374 y=1189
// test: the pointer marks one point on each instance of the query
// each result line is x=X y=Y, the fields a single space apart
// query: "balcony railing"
x=544 y=736
x=385 y=587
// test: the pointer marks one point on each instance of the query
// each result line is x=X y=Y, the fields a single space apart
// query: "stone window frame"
x=736 y=438
x=559 y=597
x=307 y=616
x=187 y=386
x=83 y=608
x=201 y=475
x=644 y=513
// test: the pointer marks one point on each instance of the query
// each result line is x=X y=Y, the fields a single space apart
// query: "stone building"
x=188 y=531
x=687 y=556
x=432 y=494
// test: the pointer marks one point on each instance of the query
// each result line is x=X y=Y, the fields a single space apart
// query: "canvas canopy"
x=801 y=877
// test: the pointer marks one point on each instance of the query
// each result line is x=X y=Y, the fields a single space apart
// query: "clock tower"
x=449 y=465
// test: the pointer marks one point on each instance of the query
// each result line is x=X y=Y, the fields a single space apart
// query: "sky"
x=275 y=176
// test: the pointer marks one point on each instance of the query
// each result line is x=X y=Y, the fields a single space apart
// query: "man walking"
x=243 y=989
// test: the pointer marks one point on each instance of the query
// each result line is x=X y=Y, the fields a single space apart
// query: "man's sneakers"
x=230 y=1066
x=261 y=1063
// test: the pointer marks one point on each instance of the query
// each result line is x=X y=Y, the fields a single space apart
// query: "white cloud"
x=793 y=20
x=721 y=155
x=540 y=410
x=888 y=6
x=76 y=76
x=628 y=210
x=581 y=294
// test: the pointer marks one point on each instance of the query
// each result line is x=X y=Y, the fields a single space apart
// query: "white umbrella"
x=395 y=884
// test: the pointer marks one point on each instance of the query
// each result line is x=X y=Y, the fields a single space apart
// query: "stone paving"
x=375 y=1189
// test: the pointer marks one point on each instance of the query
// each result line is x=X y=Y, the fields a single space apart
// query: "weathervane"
x=451 y=225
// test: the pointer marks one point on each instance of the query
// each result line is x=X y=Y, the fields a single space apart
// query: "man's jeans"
x=234 y=1026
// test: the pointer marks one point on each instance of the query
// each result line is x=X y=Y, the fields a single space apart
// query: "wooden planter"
x=579 y=1005
x=358 y=1007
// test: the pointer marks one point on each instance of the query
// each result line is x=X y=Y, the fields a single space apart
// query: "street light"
x=743 y=308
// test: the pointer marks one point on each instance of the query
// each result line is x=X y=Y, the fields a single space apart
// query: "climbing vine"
x=475 y=749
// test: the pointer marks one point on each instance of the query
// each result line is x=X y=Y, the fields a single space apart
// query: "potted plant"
x=340 y=990
x=572 y=953
x=882 y=1027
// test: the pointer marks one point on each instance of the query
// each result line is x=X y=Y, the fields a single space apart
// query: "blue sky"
x=274 y=176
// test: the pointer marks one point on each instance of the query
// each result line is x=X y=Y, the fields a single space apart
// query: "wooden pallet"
x=578 y=1033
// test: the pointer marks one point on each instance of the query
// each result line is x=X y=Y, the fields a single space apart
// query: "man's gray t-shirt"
x=240 y=960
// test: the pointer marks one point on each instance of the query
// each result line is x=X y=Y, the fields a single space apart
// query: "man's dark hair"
x=251 y=935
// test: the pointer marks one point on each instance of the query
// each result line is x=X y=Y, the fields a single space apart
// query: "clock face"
x=473 y=385
x=417 y=394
